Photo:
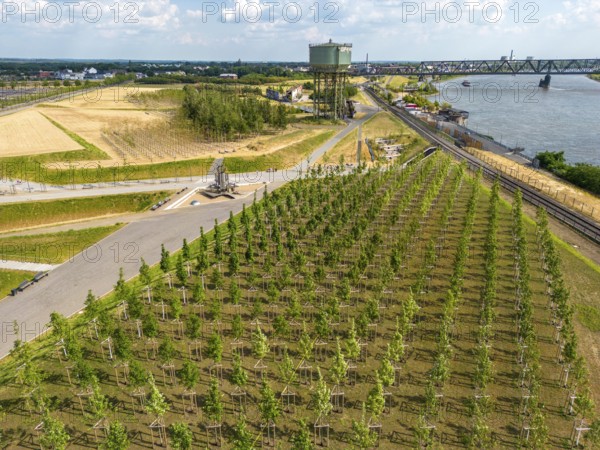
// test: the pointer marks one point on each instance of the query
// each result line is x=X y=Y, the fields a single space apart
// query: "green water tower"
x=330 y=63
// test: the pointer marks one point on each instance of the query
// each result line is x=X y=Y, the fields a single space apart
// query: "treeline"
x=584 y=175
x=224 y=113
x=254 y=79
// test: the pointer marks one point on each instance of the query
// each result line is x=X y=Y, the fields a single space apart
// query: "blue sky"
x=280 y=30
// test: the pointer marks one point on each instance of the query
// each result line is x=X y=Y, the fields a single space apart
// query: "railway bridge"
x=529 y=66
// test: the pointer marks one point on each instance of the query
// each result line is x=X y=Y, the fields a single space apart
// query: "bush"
x=586 y=176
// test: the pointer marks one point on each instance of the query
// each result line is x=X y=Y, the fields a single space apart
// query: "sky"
x=270 y=30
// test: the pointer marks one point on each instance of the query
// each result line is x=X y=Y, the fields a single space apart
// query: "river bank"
x=517 y=113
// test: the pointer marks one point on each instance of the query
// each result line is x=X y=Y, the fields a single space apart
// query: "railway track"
x=582 y=224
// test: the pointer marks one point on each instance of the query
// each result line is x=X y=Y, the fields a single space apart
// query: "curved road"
x=97 y=268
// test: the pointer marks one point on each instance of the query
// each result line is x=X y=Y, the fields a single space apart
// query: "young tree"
x=186 y=251
x=249 y=253
x=150 y=325
x=242 y=437
x=440 y=371
x=268 y=405
x=116 y=438
x=193 y=327
x=122 y=289
x=287 y=370
x=423 y=433
x=180 y=270
x=481 y=436
x=98 y=401
x=135 y=307
x=339 y=366
x=214 y=348
x=376 y=400
x=216 y=279
x=92 y=306
x=294 y=309
x=182 y=437
x=306 y=344
x=215 y=309
x=235 y=293
x=202 y=262
x=321 y=397
x=233 y=263
x=156 y=403
x=539 y=430
x=213 y=407
x=362 y=436
x=84 y=373
x=165 y=262
x=122 y=343
x=166 y=350
x=260 y=344
x=203 y=240
x=60 y=325
x=483 y=371
x=302 y=440
x=55 y=436
x=239 y=376
x=145 y=276
x=237 y=329
x=593 y=435
x=198 y=294
x=218 y=242
x=189 y=374
x=138 y=375
x=352 y=345
x=397 y=344
x=386 y=372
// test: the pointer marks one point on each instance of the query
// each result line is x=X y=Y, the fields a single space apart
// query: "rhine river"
x=516 y=112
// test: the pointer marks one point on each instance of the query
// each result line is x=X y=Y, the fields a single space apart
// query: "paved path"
x=97 y=267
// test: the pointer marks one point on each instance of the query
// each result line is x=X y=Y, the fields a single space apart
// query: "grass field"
x=52 y=248
x=284 y=158
x=17 y=216
x=358 y=80
x=363 y=99
x=384 y=125
x=333 y=272
x=396 y=81
x=11 y=278
x=381 y=125
x=346 y=147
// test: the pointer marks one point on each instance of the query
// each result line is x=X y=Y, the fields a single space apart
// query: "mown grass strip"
x=52 y=248
x=11 y=278
x=15 y=216
x=286 y=157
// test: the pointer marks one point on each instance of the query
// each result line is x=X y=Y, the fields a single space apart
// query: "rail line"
x=582 y=224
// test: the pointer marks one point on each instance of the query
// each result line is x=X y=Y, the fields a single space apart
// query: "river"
x=516 y=112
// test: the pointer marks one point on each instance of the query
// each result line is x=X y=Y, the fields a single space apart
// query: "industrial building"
x=330 y=64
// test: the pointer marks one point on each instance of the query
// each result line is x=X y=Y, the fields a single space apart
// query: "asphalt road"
x=97 y=267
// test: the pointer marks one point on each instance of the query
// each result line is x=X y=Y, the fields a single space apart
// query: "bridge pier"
x=545 y=82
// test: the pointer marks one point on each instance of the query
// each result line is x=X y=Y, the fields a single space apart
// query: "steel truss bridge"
x=494 y=67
